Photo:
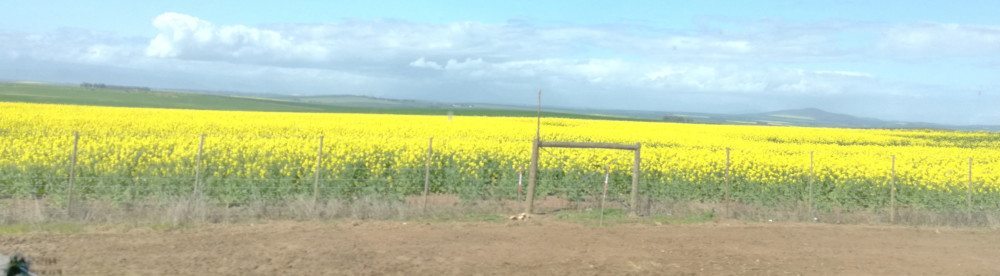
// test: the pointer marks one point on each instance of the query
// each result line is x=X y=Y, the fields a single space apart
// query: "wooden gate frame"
x=537 y=144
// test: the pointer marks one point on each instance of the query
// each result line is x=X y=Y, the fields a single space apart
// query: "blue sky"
x=900 y=60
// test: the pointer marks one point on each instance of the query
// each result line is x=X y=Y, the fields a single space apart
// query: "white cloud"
x=617 y=58
x=755 y=62
x=467 y=64
x=422 y=63
x=740 y=79
x=103 y=53
x=608 y=71
x=351 y=43
x=13 y=54
x=187 y=37
x=679 y=77
x=687 y=43
x=73 y=45
x=842 y=73
x=939 y=39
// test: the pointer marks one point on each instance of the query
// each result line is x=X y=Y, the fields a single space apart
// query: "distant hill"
x=127 y=96
x=818 y=117
x=360 y=101
x=812 y=117
x=115 y=96
x=65 y=94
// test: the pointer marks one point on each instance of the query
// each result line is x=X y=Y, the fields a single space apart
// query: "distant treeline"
x=118 y=87
x=677 y=119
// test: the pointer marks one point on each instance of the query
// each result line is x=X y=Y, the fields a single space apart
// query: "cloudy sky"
x=900 y=60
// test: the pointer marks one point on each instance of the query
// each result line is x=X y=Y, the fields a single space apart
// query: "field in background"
x=123 y=97
x=132 y=155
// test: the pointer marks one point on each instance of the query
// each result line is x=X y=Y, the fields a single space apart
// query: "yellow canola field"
x=38 y=138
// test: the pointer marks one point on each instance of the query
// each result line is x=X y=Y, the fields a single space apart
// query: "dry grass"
x=181 y=211
x=184 y=211
x=802 y=213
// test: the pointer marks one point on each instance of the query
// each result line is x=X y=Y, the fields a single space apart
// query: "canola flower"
x=679 y=160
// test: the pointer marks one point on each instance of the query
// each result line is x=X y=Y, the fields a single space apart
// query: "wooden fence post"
x=72 y=174
x=809 y=190
x=197 y=168
x=892 y=193
x=319 y=169
x=635 y=181
x=532 y=178
x=726 y=197
x=968 y=194
x=427 y=171
x=520 y=180
x=604 y=193
x=533 y=170
x=538 y=144
x=135 y=178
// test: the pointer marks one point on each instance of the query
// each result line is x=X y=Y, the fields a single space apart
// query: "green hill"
x=59 y=94
x=67 y=94
x=142 y=97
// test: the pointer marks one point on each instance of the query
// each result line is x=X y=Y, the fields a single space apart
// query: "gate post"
x=532 y=177
x=635 y=182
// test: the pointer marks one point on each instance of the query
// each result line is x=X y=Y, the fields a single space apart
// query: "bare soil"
x=538 y=246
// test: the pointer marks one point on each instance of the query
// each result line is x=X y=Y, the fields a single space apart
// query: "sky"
x=896 y=60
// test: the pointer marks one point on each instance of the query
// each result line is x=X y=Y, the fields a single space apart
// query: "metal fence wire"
x=726 y=186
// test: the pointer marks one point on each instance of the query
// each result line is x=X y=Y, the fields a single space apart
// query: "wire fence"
x=733 y=178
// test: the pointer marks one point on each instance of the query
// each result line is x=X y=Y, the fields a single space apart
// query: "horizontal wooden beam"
x=589 y=145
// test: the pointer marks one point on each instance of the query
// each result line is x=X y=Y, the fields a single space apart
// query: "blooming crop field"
x=136 y=152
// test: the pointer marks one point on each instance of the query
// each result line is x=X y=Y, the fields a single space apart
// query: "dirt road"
x=533 y=247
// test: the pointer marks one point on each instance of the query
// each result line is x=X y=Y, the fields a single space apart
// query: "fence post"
x=72 y=173
x=427 y=171
x=520 y=180
x=319 y=169
x=968 y=193
x=809 y=190
x=533 y=171
x=635 y=181
x=726 y=196
x=604 y=193
x=532 y=177
x=135 y=178
x=892 y=193
x=197 y=168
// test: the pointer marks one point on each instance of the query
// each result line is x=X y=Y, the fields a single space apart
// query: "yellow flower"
x=280 y=145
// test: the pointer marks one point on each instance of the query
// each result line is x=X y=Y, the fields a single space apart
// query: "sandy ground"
x=539 y=246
